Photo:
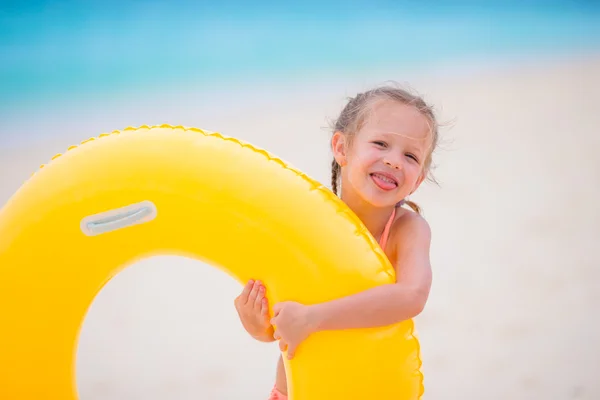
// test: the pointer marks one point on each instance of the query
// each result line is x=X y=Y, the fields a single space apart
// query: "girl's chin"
x=380 y=201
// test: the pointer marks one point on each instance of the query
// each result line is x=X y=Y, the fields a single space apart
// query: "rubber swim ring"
x=164 y=190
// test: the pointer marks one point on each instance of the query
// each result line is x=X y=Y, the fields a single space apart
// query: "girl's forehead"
x=400 y=120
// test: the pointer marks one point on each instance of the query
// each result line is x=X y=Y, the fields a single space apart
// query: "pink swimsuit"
x=276 y=394
x=386 y=231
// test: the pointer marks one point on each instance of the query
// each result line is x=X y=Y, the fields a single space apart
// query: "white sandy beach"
x=515 y=223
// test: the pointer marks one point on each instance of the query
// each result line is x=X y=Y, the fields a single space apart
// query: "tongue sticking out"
x=383 y=182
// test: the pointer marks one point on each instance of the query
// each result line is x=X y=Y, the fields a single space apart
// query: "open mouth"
x=384 y=181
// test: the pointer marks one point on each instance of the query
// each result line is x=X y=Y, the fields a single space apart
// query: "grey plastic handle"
x=118 y=218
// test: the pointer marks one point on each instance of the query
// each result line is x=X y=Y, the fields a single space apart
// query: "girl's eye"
x=413 y=157
x=380 y=143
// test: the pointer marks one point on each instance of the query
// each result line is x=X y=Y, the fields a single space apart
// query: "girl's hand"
x=253 y=309
x=294 y=323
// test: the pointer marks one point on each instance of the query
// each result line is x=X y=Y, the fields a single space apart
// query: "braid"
x=414 y=206
x=335 y=168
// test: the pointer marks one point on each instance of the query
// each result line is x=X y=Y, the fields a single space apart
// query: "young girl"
x=382 y=146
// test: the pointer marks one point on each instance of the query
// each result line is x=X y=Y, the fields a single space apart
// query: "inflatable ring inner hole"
x=166 y=327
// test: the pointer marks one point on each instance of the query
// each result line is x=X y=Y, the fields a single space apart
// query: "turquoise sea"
x=50 y=51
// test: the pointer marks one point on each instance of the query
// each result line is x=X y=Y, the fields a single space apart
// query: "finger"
x=277 y=308
x=291 y=351
x=264 y=307
x=253 y=293
x=282 y=345
x=259 y=297
x=276 y=335
x=243 y=297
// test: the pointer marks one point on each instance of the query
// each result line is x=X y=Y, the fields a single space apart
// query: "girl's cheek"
x=414 y=170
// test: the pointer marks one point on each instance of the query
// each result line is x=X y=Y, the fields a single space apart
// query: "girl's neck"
x=374 y=218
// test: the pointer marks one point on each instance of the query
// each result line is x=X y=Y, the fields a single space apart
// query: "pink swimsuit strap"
x=386 y=231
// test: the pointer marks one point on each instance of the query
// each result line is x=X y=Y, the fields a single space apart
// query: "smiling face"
x=384 y=161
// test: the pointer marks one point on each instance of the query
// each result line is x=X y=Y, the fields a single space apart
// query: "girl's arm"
x=387 y=304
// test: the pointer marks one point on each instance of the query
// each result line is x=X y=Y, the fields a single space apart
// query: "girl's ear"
x=338 y=146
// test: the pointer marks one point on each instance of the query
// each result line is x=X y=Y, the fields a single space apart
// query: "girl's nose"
x=391 y=164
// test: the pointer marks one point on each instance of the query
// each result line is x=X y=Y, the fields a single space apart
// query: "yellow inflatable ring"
x=163 y=190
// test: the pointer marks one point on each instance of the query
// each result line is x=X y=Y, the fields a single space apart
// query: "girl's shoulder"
x=409 y=227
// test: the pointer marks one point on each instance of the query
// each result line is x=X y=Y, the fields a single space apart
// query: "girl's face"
x=384 y=163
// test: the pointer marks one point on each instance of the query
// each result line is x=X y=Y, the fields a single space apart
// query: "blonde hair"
x=357 y=111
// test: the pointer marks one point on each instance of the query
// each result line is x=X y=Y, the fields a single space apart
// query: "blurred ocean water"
x=53 y=50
